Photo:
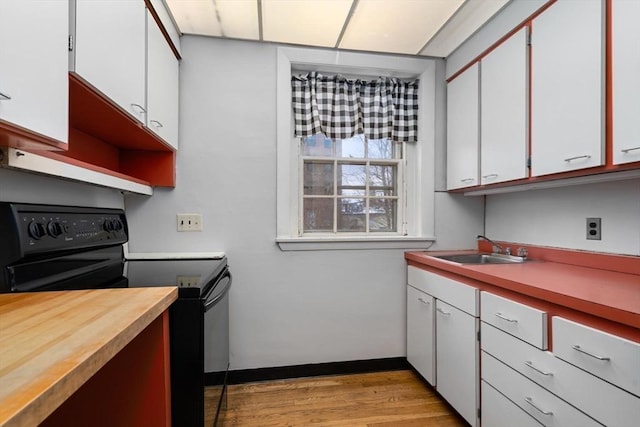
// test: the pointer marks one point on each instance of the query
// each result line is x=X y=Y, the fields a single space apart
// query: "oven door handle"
x=211 y=302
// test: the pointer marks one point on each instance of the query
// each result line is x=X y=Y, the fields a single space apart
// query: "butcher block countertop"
x=53 y=342
x=603 y=293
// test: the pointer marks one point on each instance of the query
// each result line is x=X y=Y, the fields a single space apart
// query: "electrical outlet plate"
x=189 y=222
x=187 y=281
x=594 y=228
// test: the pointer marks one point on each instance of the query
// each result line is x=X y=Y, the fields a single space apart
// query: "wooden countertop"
x=607 y=294
x=53 y=342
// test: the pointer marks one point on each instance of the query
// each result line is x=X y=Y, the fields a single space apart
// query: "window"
x=354 y=193
x=352 y=185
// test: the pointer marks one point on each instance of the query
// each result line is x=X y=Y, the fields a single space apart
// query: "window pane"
x=351 y=215
x=381 y=149
x=350 y=175
x=318 y=178
x=382 y=215
x=382 y=180
x=318 y=215
x=351 y=148
x=317 y=145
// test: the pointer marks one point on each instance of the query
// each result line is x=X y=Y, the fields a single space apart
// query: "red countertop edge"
x=609 y=318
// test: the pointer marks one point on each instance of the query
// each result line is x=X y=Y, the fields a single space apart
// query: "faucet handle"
x=496 y=249
x=507 y=251
x=522 y=252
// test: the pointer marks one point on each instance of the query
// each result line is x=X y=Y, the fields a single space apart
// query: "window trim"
x=419 y=176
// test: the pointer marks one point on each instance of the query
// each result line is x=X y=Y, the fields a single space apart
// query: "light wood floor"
x=382 y=399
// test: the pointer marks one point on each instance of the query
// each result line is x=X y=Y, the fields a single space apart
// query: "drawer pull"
x=537 y=408
x=4 y=97
x=508 y=319
x=532 y=366
x=423 y=301
x=465 y=180
x=595 y=356
x=156 y=123
x=628 y=150
x=441 y=311
x=140 y=108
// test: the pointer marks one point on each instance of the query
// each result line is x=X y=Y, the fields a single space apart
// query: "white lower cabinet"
x=498 y=411
x=457 y=360
x=541 y=404
x=450 y=359
x=421 y=333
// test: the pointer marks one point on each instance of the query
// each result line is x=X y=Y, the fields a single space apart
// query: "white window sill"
x=318 y=243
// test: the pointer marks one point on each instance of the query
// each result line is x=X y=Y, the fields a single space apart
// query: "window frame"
x=418 y=222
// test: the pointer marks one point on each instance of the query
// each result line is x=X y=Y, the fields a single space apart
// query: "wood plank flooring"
x=381 y=399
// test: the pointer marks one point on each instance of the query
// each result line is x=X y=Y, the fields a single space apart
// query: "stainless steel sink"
x=482 y=258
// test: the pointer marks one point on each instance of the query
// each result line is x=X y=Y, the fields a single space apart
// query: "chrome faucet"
x=496 y=247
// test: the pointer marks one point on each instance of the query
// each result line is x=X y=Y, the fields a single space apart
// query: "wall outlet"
x=189 y=222
x=594 y=228
x=187 y=281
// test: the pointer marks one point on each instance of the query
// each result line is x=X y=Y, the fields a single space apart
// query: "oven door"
x=216 y=341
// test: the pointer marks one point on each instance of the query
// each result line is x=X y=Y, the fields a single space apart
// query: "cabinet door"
x=457 y=354
x=110 y=50
x=421 y=333
x=504 y=110
x=626 y=84
x=162 y=85
x=462 y=129
x=567 y=112
x=34 y=88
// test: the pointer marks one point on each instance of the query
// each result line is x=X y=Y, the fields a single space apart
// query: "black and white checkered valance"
x=341 y=108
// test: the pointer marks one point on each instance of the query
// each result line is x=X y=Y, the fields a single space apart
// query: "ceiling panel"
x=400 y=26
x=220 y=18
x=308 y=22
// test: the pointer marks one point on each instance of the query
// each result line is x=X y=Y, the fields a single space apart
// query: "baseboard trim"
x=318 y=369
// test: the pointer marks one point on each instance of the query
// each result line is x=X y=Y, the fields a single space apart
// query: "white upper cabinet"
x=109 y=48
x=567 y=117
x=626 y=81
x=34 y=88
x=504 y=83
x=162 y=85
x=462 y=129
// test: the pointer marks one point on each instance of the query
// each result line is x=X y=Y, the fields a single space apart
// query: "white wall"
x=557 y=217
x=23 y=187
x=287 y=308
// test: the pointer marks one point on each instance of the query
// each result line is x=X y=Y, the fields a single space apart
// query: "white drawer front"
x=606 y=403
x=536 y=401
x=607 y=356
x=462 y=296
x=522 y=321
x=498 y=411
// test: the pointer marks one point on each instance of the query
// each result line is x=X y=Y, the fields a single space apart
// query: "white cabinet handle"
x=468 y=180
x=4 y=97
x=595 y=356
x=423 y=301
x=140 y=107
x=156 y=123
x=570 y=159
x=490 y=176
x=626 y=150
x=532 y=366
x=441 y=311
x=530 y=402
x=508 y=319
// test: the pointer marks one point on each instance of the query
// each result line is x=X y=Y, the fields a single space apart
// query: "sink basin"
x=482 y=259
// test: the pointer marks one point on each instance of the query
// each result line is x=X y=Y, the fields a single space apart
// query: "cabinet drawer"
x=545 y=407
x=602 y=401
x=607 y=356
x=462 y=296
x=521 y=321
x=498 y=411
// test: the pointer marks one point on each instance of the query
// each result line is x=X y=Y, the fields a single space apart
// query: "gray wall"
x=287 y=308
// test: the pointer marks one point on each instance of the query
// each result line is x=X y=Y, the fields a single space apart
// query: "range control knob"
x=117 y=224
x=36 y=230
x=108 y=225
x=54 y=229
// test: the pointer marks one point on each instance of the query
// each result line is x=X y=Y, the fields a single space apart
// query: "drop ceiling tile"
x=401 y=26
x=305 y=22
x=221 y=18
